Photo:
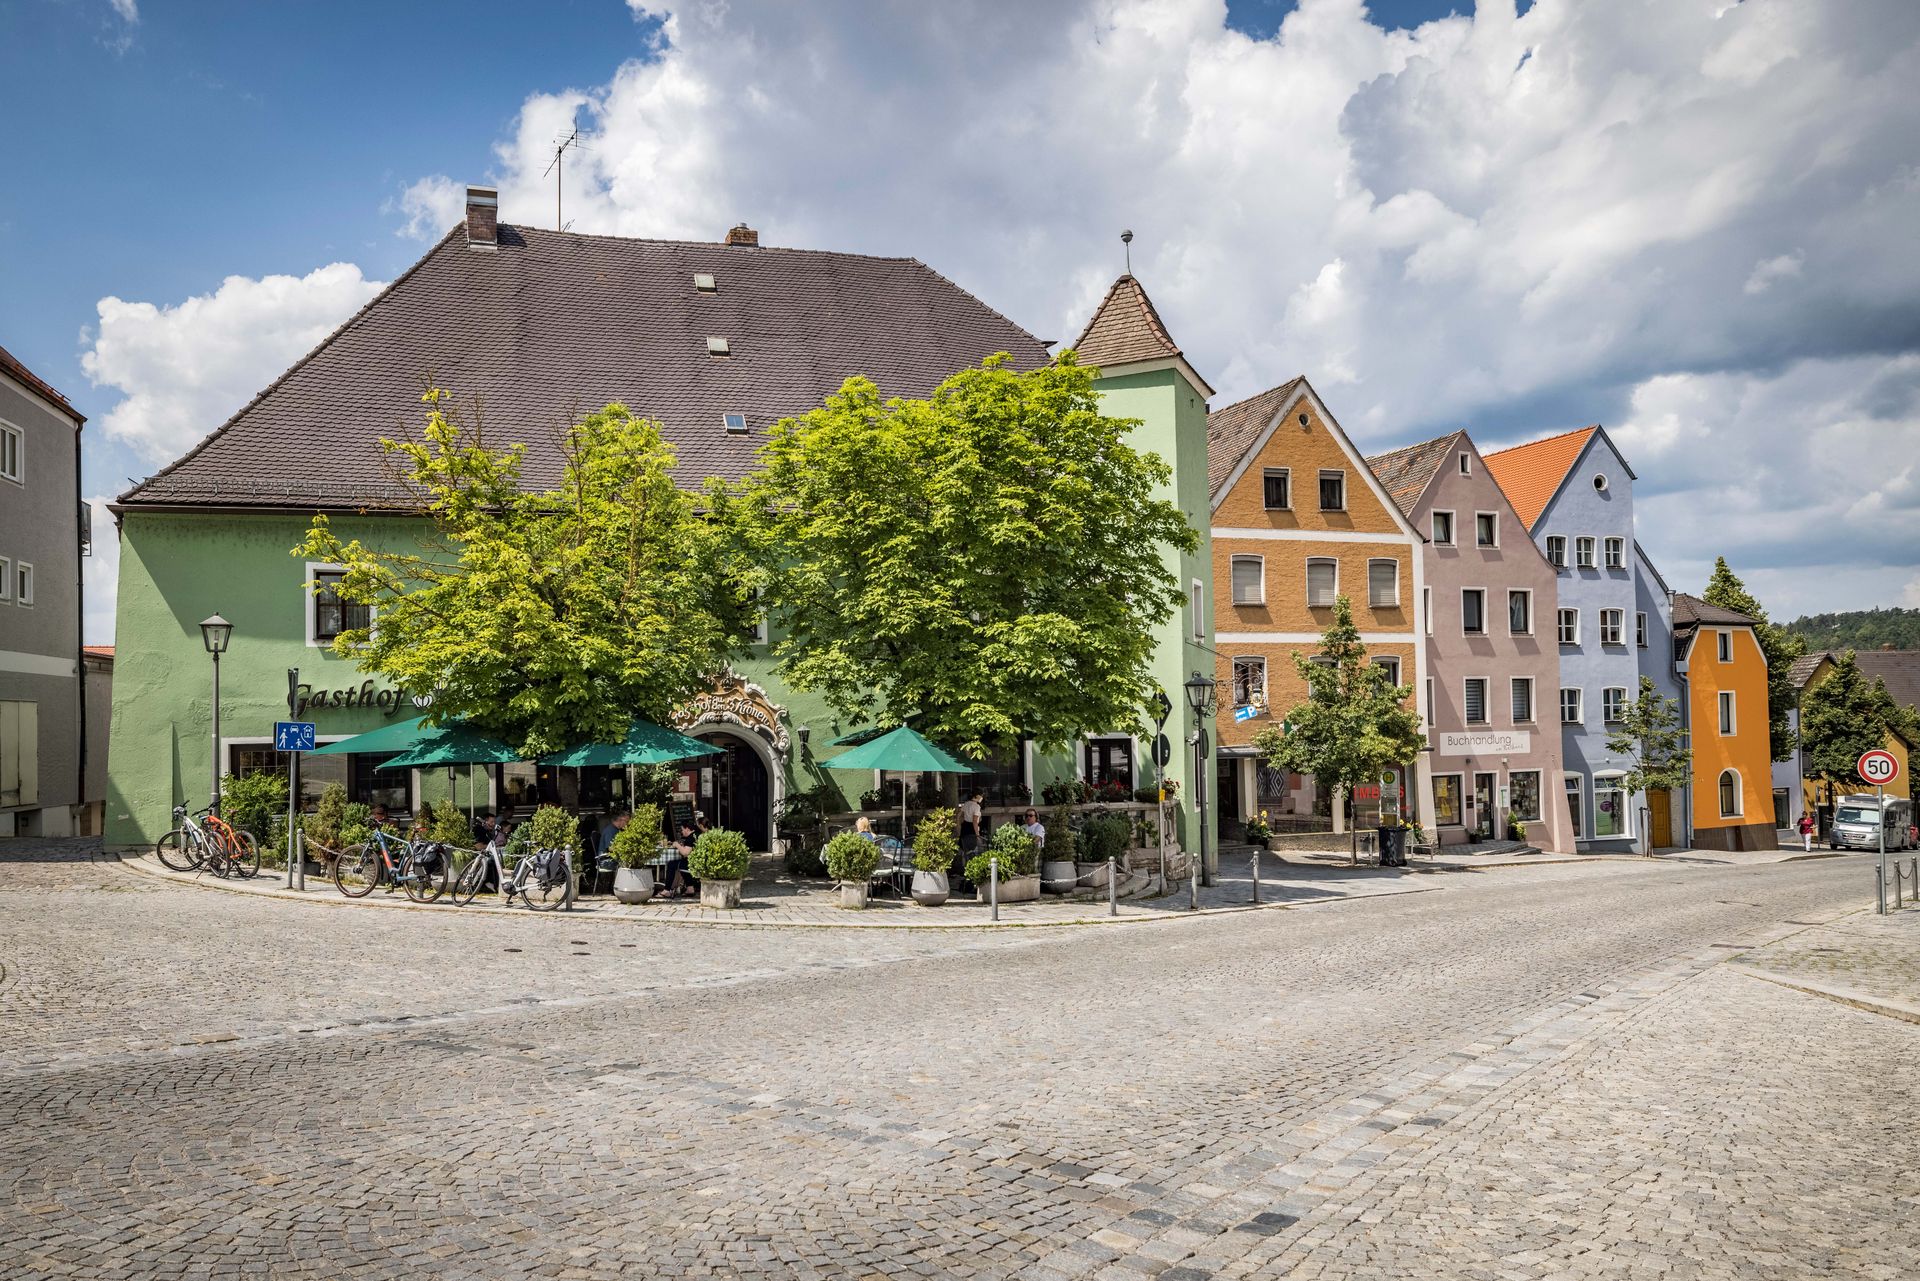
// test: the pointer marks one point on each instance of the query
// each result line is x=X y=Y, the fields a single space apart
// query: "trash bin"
x=1393 y=846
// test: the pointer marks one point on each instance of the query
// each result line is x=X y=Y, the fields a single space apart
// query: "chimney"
x=483 y=218
x=741 y=234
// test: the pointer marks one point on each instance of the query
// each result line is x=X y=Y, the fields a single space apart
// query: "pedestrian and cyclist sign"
x=293 y=736
x=1878 y=767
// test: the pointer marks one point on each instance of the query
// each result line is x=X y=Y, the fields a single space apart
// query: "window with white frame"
x=1196 y=606
x=1616 y=553
x=1249 y=580
x=1613 y=704
x=1610 y=815
x=328 y=614
x=6 y=578
x=1729 y=794
x=1323 y=582
x=1475 y=700
x=1426 y=607
x=1519 y=612
x=1486 y=529
x=23 y=583
x=1473 y=611
x=1446 y=800
x=1583 y=552
x=1522 y=700
x=1250 y=681
x=1443 y=529
x=1429 y=700
x=1569 y=626
x=1640 y=629
x=1277 y=488
x=12 y=454
x=1557 y=550
x=1523 y=794
x=1613 y=624
x=1570 y=709
x=1333 y=491
x=1727 y=720
x=1725 y=641
x=1389 y=664
x=1383 y=583
x=1466 y=464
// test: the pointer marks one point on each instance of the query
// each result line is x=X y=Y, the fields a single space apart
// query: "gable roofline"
x=1302 y=389
x=1594 y=432
x=1653 y=569
x=1433 y=478
x=38 y=388
x=1376 y=461
x=1127 y=318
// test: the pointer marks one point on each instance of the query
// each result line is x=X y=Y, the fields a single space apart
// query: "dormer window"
x=718 y=347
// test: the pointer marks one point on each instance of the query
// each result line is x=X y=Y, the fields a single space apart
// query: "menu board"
x=680 y=814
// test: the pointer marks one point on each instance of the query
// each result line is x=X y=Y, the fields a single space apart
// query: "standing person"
x=970 y=811
x=1806 y=831
x=1033 y=827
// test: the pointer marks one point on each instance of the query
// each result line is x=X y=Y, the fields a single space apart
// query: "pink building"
x=1491 y=698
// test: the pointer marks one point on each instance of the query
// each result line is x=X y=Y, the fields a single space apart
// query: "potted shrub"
x=935 y=846
x=850 y=859
x=1257 y=832
x=1104 y=837
x=633 y=849
x=1516 y=830
x=873 y=799
x=719 y=862
x=1019 y=883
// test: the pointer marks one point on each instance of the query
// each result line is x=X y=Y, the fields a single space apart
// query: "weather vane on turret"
x=1126 y=242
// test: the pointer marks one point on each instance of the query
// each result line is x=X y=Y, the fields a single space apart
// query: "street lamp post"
x=1201 y=698
x=215 y=632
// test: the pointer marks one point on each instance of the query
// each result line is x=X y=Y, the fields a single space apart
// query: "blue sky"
x=1678 y=217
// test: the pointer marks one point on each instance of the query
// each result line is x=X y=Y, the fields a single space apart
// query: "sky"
x=1694 y=221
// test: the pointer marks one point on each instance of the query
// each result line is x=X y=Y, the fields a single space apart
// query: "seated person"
x=863 y=828
x=674 y=879
x=616 y=822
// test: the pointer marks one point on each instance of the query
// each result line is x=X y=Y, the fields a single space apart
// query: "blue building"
x=1613 y=621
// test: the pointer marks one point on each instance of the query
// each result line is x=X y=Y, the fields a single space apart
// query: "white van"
x=1854 y=825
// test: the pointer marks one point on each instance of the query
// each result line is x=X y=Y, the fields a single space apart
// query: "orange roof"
x=1531 y=474
x=98 y=651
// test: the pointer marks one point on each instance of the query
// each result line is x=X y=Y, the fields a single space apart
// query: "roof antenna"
x=1126 y=242
x=557 y=169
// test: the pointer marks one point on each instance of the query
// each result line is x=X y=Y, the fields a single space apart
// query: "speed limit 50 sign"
x=1878 y=767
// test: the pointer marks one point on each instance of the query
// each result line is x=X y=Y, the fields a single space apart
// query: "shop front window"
x=368 y=784
x=1109 y=762
x=1002 y=776
x=1523 y=787
x=1609 y=807
x=1446 y=800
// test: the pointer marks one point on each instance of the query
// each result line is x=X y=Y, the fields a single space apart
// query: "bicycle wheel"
x=541 y=897
x=245 y=855
x=179 y=851
x=423 y=885
x=466 y=887
x=357 y=871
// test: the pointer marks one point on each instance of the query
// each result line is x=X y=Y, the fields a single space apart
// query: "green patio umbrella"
x=455 y=743
x=397 y=737
x=904 y=751
x=645 y=744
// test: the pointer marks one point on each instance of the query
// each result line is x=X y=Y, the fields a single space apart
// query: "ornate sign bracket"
x=734 y=700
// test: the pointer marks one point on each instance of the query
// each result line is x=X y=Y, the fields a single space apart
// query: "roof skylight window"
x=704 y=283
x=718 y=347
x=736 y=423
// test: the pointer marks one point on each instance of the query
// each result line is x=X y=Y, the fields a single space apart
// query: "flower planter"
x=720 y=893
x=853 y=894
x=1058 y=876
x=1092 y=876
x=633 y=884
x=1018 y=889
x=930 y=888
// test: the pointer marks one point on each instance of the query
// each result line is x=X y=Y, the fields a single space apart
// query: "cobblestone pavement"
x=1863 y=955
x=1527 y=1074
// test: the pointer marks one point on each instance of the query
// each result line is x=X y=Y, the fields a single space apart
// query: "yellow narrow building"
x=1299 y=519
x=1718 y=655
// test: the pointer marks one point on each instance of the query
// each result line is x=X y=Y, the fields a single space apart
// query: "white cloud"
x=129 y=10
x=100 y=576
x=183 y=369
x=430 y=205
x=1771 y=272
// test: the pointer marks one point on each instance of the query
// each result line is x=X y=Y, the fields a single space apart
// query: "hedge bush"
x=851 y=858
x=720 y=855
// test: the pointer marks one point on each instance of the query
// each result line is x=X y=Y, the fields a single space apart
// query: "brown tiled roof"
x=1531 y=473
x=11 y=366
x=1125 y=328
x=1232 y=431
x=1404 y=473
x=1899 y=668
x=556 y=324
x=1691 y=611
x=98 y=651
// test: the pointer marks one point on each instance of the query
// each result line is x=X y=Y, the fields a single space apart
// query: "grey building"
x=44 y=528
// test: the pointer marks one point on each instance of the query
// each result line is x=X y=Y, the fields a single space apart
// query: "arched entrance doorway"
x=736 y=789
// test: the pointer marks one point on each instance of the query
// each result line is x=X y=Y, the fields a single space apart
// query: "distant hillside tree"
x=1779 y=645
x=1859 y=629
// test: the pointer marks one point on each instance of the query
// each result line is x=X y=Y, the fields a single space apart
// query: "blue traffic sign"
x=293 y=736
x=1246 y=713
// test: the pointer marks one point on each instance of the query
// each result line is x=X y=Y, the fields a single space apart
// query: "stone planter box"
x=853 y=894
x=930 y=888
x=1092 y=876
x=724 y=894
x=634 y=884
x=1057 y=876
x=1018 y=889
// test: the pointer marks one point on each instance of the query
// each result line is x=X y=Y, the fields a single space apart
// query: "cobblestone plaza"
x=1613 y=1070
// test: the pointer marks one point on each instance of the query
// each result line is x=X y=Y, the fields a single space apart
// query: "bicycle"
x=216 y=846
x=420 y=870
x=533 y=878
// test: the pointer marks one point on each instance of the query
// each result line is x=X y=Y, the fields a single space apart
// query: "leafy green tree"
x=1842 y=716
x=1780 y=646
x=1651 y=736
x=1860 y=629
x=990 y=561
x=546 y=616
x=1354 y=724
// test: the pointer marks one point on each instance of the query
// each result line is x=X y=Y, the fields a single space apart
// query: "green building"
x=528 y=328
